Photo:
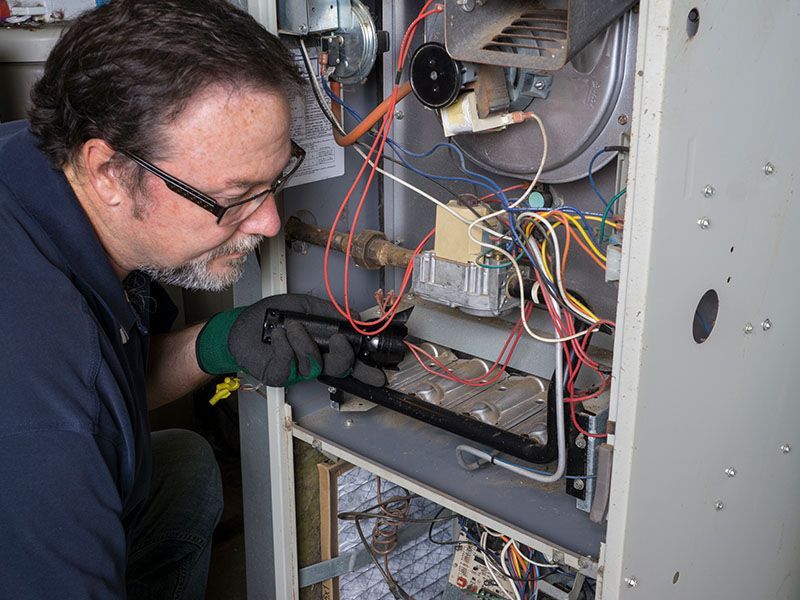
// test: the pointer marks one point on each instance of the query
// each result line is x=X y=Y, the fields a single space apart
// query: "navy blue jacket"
x=74 y=432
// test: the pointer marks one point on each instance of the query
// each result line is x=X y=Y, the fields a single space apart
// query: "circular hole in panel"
x=692 y=23
x=705 y=316
x=676 y=577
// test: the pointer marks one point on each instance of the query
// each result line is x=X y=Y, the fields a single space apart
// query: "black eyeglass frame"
x=204 y=200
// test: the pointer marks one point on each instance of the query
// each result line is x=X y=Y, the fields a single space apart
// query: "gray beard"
x=197 y=274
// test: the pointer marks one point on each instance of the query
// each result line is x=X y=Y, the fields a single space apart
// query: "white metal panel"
x=709 y=111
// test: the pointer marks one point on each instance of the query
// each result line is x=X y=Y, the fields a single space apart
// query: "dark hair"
x=124 y=70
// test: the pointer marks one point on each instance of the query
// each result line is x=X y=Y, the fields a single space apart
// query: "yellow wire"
x=570 y=296
x=576 y=224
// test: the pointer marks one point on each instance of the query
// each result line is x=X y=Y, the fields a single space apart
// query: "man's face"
x=229 y=145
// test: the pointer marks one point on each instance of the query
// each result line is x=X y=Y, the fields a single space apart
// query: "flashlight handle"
x=383 y=350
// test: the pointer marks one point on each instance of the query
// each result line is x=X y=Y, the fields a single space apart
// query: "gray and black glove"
x=232 y=341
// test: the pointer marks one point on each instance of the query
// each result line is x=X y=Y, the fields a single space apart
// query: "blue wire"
x=479 y=180
x=591 y=176
x=537 y=471
x=703 y=323
x=485 y=182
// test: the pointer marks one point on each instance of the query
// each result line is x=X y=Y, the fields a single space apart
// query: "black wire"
x=394 y=587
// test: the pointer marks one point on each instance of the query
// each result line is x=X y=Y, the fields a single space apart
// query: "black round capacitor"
x=436 y=78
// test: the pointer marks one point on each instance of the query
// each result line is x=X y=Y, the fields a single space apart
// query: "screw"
x=303 y=28
x=316 y=445
x=631 y=582
x=348 y=423
x=578 y=484
x=769 y=168
x=334 y=405
x=730 y=472
x=719 y=505
x=539 y=84
x=708 y=191
x=332 y=390
x=466 y=5
x=748 y=328
x=704 y=223
x=583 y=562
x=622 y=119
x=785 y=448
x=580 y=442
x=399 y=115
x=766 y=324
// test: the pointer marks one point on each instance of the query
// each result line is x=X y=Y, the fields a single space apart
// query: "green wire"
x=611 y=203
x=500 y=266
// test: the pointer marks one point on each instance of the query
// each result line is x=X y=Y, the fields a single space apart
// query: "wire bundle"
x=516 y=232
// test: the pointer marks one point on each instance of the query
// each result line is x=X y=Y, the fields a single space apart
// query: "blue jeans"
x=171 y=549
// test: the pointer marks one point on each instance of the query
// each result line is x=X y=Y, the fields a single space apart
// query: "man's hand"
x=231 y=341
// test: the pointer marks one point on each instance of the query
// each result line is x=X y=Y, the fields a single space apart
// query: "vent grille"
x=538 y=33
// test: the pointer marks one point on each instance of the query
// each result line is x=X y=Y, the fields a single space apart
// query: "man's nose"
x=264 y=220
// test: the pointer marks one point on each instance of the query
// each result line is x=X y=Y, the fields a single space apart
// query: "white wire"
x=508 y=572
x=474 y=224
x=529 y=561
x=422 y=193
x=557 y=251
x=413 y=188
x=491 y=568
x=529 y=189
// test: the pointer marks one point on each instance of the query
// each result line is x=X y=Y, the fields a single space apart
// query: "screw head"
x=316 y=444
x=769 y=168
x=303 y=28
x=539 y=84
x=730 y=472
x=785 y=448
x=580 y=442
x=719 y=505
x=704 y=223
x=622 y=119
x=332 y=390
x=708 y=191
x=748 y=328
x=348 y=423
x=766 y=324
x=399 y=115
x=578 y=484
x=631 y=582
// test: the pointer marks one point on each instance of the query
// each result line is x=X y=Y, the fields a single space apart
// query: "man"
x=158 y=136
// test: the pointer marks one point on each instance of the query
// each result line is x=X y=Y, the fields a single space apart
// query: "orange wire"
x=578 y=239
x=373 y=117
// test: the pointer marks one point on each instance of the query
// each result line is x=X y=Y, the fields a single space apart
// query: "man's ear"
x=102 y=173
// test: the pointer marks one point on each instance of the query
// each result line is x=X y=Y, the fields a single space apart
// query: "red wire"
x=376 y=149
x=483 y=380
x=519 y=186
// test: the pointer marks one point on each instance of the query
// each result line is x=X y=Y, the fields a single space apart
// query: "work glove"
x=232 y=341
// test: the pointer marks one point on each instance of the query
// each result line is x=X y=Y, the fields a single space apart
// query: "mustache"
x=245 y=245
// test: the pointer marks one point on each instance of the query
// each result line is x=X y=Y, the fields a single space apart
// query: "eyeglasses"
x=234 y=212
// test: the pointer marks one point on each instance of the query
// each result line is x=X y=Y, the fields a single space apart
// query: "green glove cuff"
x=211 y=347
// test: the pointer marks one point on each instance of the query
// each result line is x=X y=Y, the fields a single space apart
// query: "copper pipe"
x=370 y=249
